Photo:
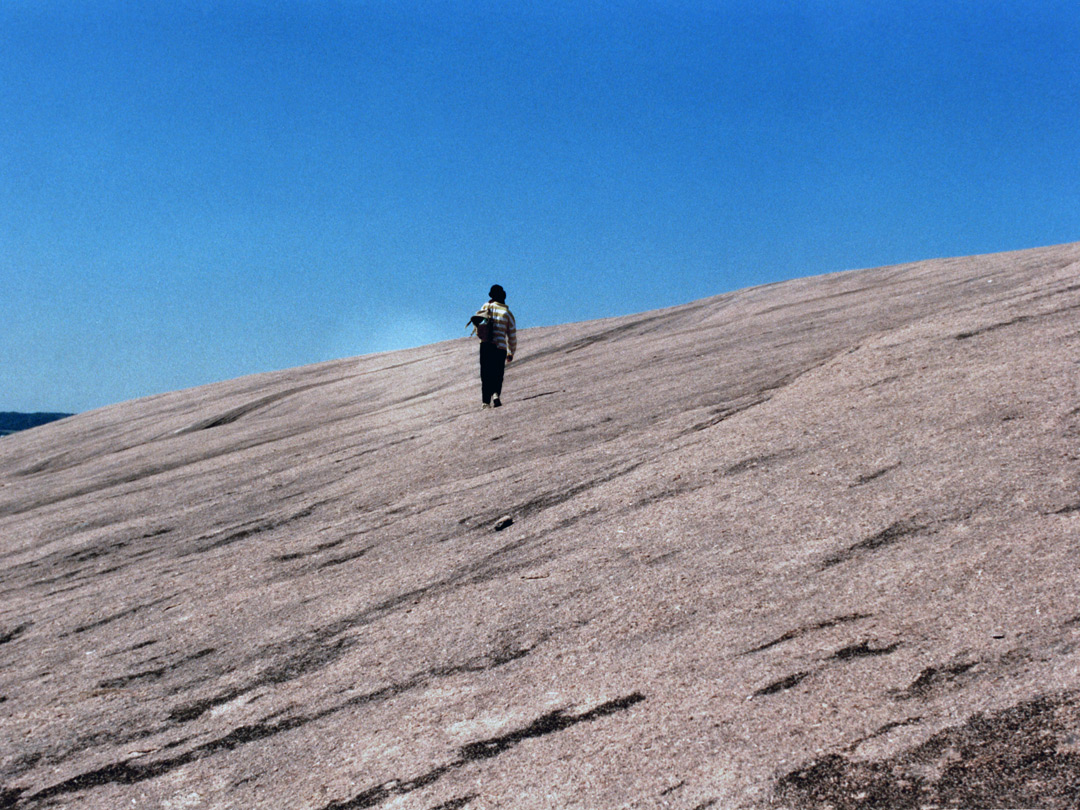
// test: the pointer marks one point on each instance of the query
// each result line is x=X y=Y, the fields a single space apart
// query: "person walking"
x=497 y=330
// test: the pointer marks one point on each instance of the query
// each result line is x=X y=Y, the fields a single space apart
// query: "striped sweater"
x=505 y=336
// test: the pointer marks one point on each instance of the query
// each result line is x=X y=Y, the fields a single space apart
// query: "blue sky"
x=195 y=191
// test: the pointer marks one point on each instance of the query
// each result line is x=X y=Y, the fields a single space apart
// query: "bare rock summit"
x=807 y=545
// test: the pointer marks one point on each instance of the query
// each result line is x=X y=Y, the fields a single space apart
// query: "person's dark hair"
x=497 y=293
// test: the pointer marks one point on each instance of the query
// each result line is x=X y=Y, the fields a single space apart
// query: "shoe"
x=485 y=406
x=496 y=402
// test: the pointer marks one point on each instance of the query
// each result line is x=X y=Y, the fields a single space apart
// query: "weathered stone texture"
x=810 y=545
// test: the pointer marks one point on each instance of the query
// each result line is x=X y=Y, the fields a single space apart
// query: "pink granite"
x=807 y=545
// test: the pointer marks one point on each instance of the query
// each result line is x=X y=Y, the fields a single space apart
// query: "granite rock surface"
x=808 y=545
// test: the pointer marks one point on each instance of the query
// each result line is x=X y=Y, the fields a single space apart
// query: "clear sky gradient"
x=195 y=191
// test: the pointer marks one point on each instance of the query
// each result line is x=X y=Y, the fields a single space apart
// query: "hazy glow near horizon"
x=196 y=193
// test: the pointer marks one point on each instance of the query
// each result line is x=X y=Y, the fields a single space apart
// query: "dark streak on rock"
x=757 y=462
x=866 y=479
x=137 y=474
x=9 y=797
x=117 y=616
x=933 y=678
x=537 y=396
x=884 y=381
x=23 y=764
x=886 y=537
x=356 y=555
x=671 y=492
x=138 y=646
x=722 y=414
x=885 y=729
x=129 y=773
x=243 y=534
x=86 y=742
x=662 y=558
x=257 y=528
x=992 y=327
x=607 y=334
x=324 y=646
x=1055 y=293
x=1019 y=319
x=456 y=804
x=153 y=674
x=298 y=665
x=234 y=414
x=77 y=574
x=824 y=625
x=139 y=771
x=532 y=507
x=673 y=788
x=788 y=636
x=1023 y=756
x=87 y=554
x=554 y=721
x=195 y=710
x=862 y=650
x=11 y=635
x=550 y=723
x=299 y=555
x=782 y=685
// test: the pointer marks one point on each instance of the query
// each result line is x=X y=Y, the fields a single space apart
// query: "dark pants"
x=492 y=366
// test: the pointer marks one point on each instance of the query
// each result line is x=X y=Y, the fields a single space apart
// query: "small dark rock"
x=503 y=522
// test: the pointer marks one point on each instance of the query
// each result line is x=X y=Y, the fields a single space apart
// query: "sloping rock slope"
x=813 y=544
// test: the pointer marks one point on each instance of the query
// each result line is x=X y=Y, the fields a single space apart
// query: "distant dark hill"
x=11 y=422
